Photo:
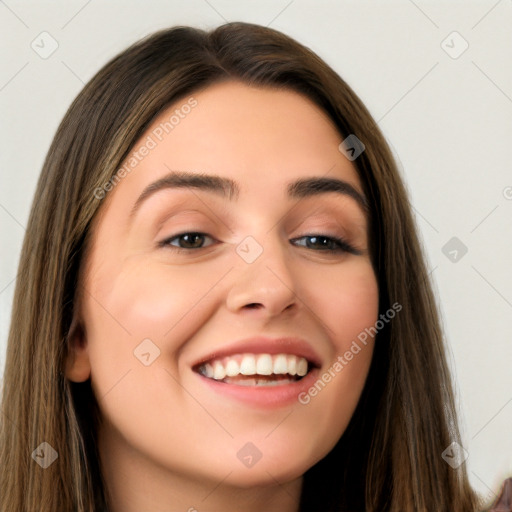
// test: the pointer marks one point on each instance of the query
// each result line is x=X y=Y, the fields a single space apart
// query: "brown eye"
x=190 y=240
x=324 y=243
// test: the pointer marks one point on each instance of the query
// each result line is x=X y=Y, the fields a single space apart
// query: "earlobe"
x=78 y=368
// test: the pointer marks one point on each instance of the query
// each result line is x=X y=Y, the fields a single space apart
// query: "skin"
x=168 y=442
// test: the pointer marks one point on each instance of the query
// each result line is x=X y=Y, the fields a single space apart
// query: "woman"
x=222 y=302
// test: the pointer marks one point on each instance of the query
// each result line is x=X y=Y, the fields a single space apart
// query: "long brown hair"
x=389 y=458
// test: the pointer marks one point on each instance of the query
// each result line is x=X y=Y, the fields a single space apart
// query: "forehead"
x=262 y=139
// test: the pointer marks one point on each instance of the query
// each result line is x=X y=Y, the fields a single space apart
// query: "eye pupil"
x=315 y=240
x=191 y=239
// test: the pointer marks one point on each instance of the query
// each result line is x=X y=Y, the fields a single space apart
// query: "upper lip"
x=264 y=345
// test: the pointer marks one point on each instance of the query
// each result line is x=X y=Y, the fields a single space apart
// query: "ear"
x=78 y=368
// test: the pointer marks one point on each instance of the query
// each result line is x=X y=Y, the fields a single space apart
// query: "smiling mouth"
x=256 y=369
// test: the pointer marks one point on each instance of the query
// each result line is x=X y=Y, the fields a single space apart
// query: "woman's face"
x=218 y=249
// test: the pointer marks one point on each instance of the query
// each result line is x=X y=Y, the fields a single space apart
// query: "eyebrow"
x=226 y=187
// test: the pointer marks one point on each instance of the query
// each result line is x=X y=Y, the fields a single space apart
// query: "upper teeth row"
x=250 y=364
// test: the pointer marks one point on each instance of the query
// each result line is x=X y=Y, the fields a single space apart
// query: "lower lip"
x=264 y=396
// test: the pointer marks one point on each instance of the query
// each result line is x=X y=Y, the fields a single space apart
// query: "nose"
x=267 y=284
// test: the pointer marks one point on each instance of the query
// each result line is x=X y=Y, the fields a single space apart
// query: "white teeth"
x=208 y=370
x=292 y=365
x=264 y=366
x=231 y=367
x=248 y=365
x=219 y=372
x=302 y=367
x=281 y=364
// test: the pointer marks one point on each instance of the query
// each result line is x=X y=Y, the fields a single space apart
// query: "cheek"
x=144 y=314
x=345 y=299
x=347 y=305
x=144 y=301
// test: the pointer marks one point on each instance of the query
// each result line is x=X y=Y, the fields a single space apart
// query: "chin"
x=264 y=475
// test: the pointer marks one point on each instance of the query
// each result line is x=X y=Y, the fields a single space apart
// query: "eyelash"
x=342 y=245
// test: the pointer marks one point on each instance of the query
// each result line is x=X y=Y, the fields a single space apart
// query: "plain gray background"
x=445 y=109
